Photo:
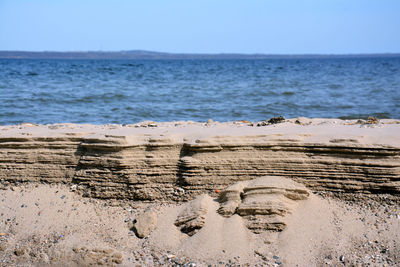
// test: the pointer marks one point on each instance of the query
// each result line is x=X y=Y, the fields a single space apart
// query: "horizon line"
x=199 y=53
x=153 y=55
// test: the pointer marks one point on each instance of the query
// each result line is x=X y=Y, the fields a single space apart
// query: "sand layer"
x=178 y=160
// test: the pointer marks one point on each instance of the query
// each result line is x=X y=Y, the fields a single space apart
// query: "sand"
x=57 y=222
x=49 y=224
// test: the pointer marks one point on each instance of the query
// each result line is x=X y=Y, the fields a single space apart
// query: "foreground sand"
x=71 y=193
x=49 y=224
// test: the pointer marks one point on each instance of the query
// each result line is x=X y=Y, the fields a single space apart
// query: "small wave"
x=32 y=73
x=44 y=100
x=12 y=73
x=105 y=69
x=288 y=93
x=345 y=106
x=107 y=97
x=131 y=65
x=335 y=86
x=8 y=114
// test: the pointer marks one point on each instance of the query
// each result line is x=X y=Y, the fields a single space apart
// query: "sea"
x=129 y=91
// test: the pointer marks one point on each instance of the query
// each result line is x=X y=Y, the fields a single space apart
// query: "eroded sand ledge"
x=176 y=161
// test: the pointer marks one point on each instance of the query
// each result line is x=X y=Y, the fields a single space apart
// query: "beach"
x=300 y=191
x=199 y=133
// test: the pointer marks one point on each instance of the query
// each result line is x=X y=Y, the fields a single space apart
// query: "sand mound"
x=264 y=202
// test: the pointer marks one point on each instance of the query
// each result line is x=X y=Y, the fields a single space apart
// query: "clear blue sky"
x=203 y=26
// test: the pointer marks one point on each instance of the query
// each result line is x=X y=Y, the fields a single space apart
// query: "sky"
x=203 y=26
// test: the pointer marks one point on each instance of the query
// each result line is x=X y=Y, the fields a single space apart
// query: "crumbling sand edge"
x=175 y=161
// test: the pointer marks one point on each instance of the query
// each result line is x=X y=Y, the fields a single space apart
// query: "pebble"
x=3 y=246
x=19 y=251
x=180 y=190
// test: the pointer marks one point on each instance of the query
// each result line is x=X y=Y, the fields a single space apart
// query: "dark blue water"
x=112 y=91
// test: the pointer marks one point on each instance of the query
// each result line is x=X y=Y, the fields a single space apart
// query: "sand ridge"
x=176 y=161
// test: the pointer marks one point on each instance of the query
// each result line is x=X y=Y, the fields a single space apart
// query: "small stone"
x=145 y=223
x=19 y=251
x=3 y=247
x=117 y=258
x=275 y=257
x=275 y=120
x=44 y=257
x=341 y=258
x=180 y=190
x=117 y=255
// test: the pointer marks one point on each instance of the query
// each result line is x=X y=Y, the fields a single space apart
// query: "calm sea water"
x=112 y=91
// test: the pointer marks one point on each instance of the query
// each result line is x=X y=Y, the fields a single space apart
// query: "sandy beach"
x=296 y=192
x=199 y=133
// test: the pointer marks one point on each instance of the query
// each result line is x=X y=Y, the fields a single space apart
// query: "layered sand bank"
x=178 y=160
x=82 y=195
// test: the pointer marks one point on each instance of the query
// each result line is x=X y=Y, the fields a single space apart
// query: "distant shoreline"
x=140 y=54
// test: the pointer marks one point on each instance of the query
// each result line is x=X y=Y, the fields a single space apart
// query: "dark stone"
x=276 y=120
